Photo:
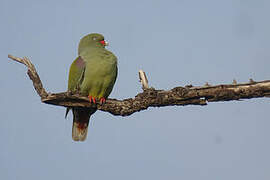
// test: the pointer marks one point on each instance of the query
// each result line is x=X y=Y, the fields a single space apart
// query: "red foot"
x=102 y=100
x=92 y=99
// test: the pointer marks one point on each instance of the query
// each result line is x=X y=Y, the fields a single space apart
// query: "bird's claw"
x=102 y=100
x=92 y=99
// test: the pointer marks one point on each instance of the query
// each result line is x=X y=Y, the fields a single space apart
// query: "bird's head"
x=92 y=40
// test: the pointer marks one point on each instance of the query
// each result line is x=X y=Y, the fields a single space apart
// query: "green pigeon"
x=93 y=74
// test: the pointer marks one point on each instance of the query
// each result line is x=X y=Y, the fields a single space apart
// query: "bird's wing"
x=76 y=74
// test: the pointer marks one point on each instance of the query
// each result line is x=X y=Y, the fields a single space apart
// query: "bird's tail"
x=81 y=117
x=79 y=131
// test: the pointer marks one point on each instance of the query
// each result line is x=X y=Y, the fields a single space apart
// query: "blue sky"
x=176 y=43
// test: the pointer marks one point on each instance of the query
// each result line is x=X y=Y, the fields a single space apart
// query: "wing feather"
x=76 y=74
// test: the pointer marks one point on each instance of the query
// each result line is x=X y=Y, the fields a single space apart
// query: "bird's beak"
x=105 y=43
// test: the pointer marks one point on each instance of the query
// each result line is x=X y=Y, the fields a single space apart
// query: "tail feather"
x=79 y=131
x=81 y=117
x=67 y=110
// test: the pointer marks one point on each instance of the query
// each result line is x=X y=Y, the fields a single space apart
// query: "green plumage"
x=93 y=73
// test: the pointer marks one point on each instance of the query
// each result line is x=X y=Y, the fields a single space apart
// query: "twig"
x=143 y=80
x=32 y=73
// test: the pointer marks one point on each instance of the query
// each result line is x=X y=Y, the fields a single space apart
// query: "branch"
x=151 y=97
x=32 y=73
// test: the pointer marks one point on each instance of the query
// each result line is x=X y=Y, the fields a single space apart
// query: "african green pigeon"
x=93 y=74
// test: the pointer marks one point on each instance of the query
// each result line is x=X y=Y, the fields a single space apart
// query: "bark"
x=151 y=97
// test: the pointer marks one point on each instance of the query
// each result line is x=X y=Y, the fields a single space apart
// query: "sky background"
x=176 y=43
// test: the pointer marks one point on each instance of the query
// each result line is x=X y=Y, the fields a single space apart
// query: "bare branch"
x=143 y=80
x=32 y=73
x=150 y=97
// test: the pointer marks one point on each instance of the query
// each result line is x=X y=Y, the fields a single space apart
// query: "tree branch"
x=150 y=97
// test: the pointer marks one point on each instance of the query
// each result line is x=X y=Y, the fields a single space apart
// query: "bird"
x=93 y=73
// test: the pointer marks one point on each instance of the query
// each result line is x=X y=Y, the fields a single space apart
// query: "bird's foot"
x=92 y=99
x=102 y=100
